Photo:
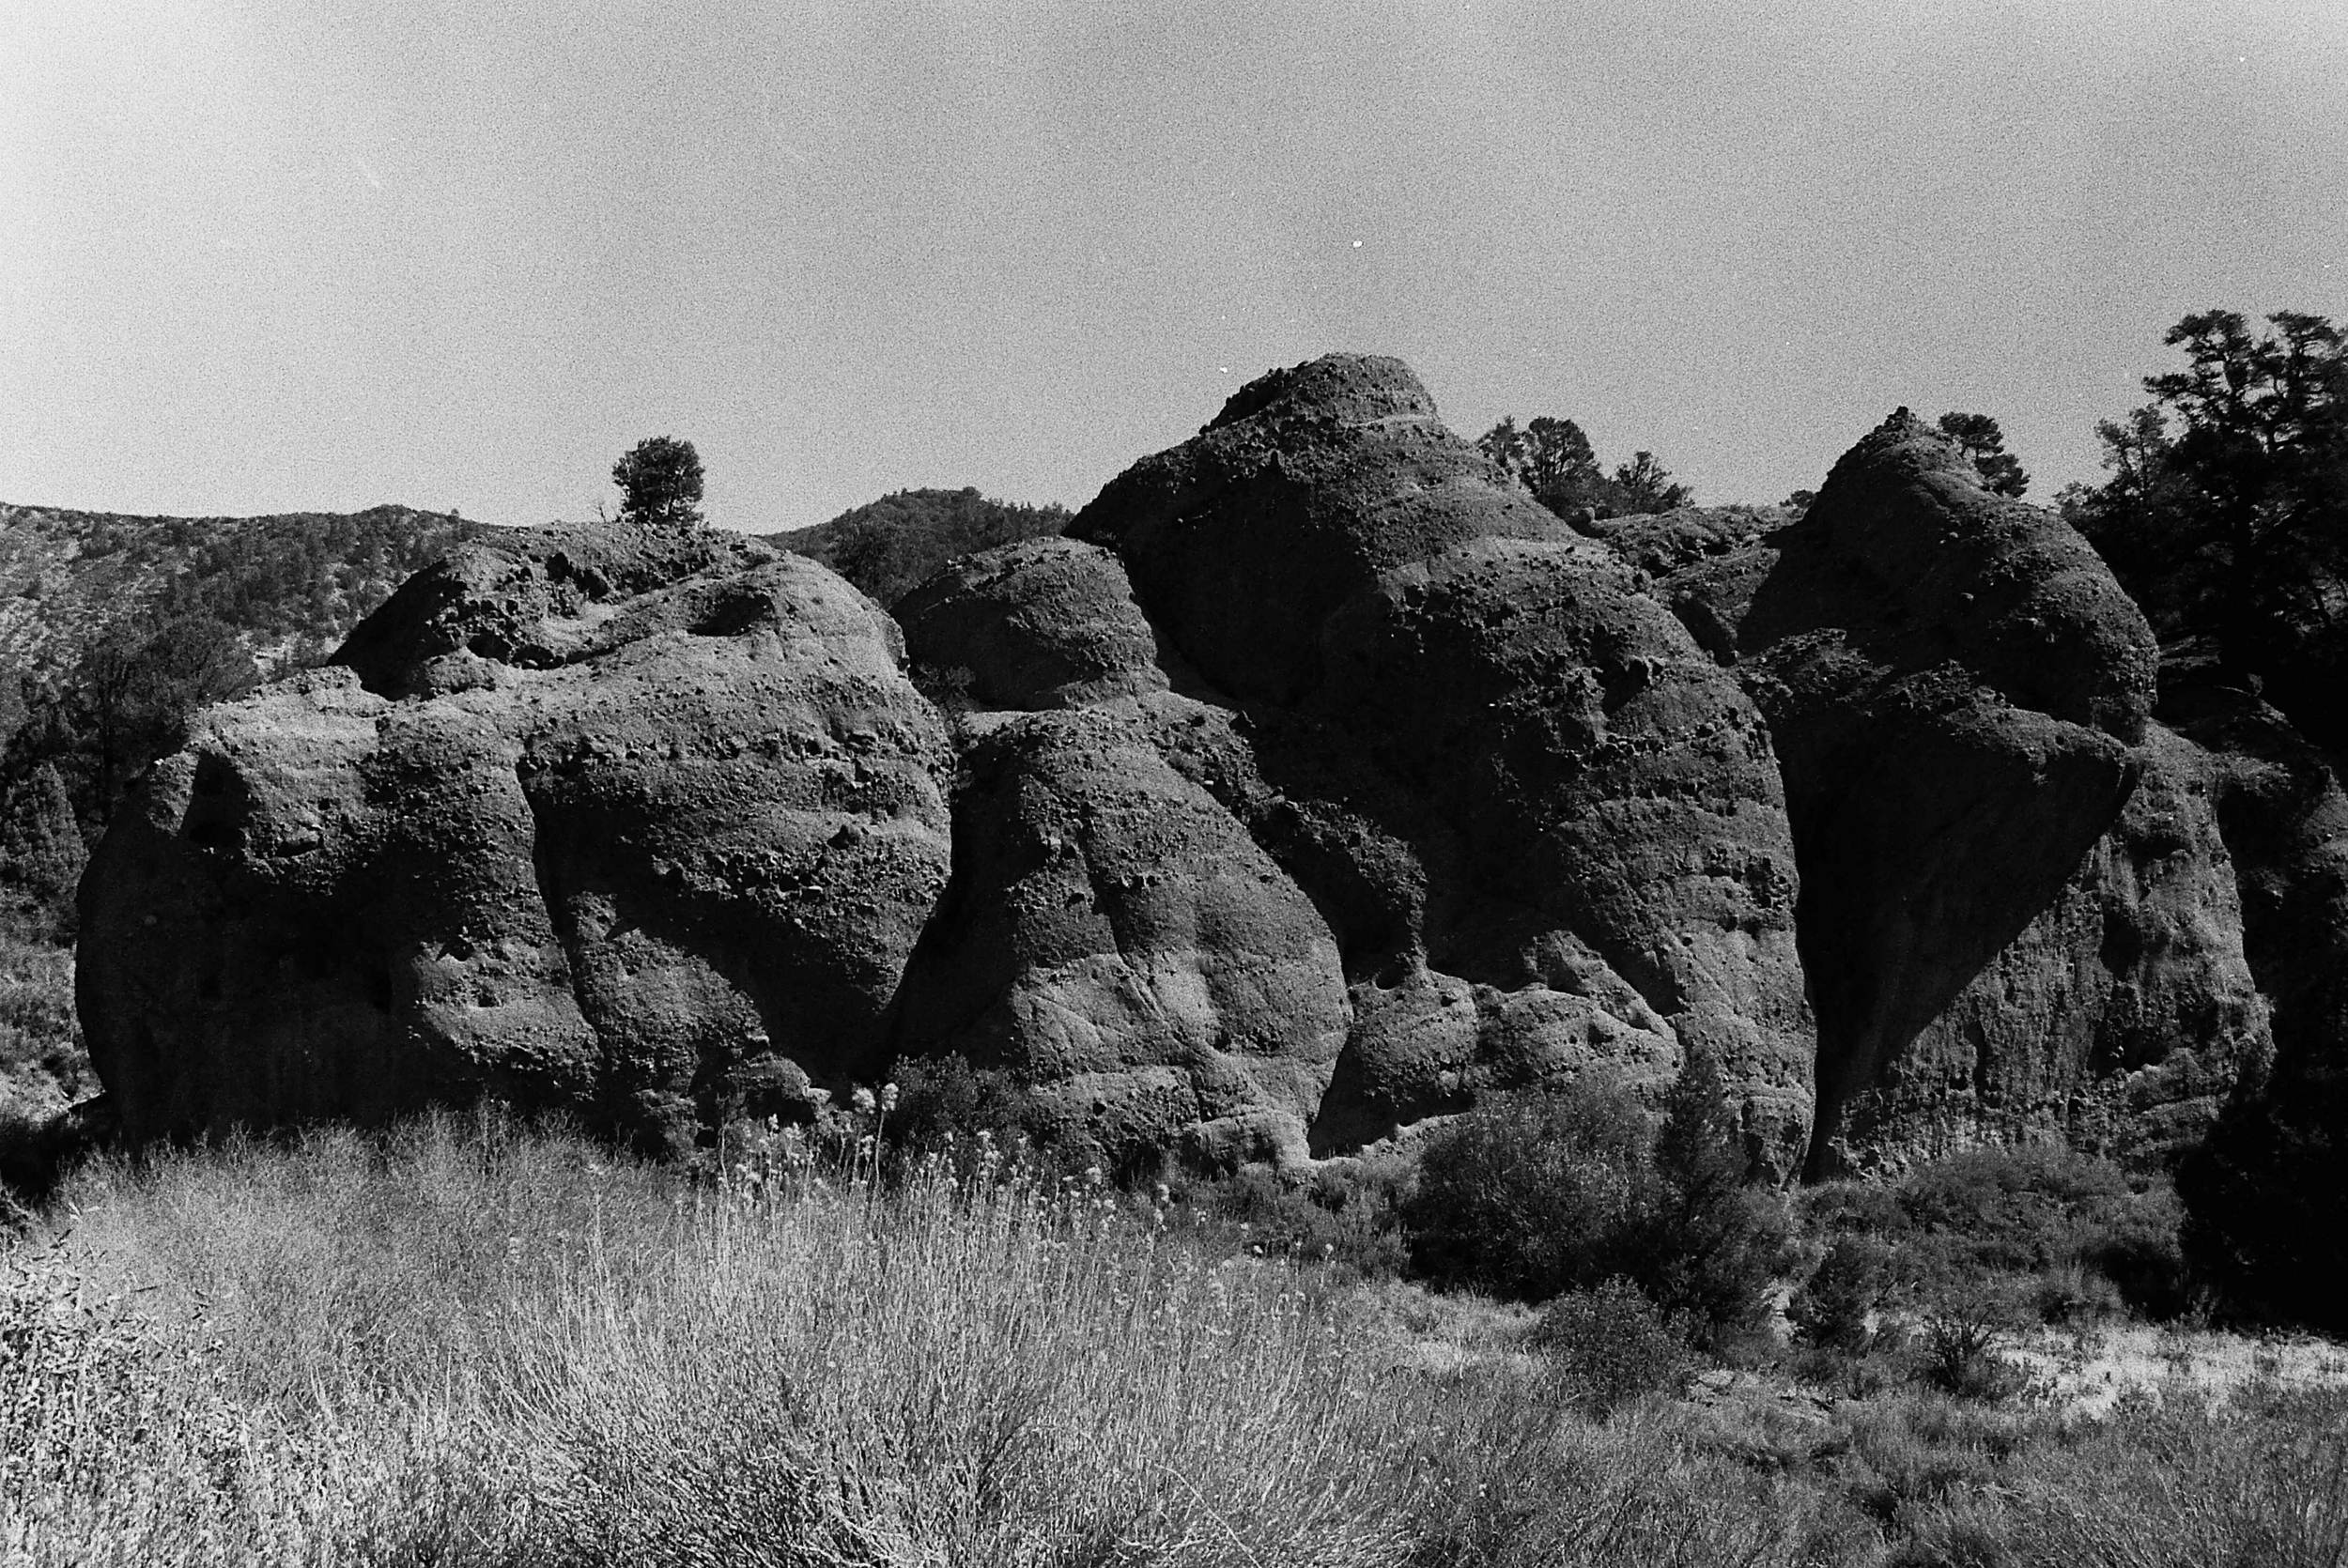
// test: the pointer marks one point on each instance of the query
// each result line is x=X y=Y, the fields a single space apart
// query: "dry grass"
x=457 y=1344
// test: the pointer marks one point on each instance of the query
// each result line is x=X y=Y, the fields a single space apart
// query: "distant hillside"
x=293 y=584
x=885 y=547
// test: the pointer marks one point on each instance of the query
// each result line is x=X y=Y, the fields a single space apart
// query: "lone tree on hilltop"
x=1985 y=443
x=660 y=484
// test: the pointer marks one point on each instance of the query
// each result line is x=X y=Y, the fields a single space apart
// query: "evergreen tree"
x=41 y=851
x=1985 y=443
x=660 y=484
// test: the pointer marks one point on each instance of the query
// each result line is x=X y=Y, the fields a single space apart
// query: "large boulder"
x=1545 y=828
x=1955 y=686
x=644 y=827
x=2120 y=1017
x=1117 y=942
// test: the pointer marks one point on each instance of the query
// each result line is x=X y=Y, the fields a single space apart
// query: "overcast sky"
x=274 y=255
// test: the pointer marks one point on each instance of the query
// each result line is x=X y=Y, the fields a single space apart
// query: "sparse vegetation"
x=660 y=484
x=887 y=546
x=1554 y=460
x=462 y=1342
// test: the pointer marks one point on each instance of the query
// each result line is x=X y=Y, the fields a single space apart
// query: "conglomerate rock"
x=1956 y=687
x=1544 y=827
x=1320 y=782
x=642 y=828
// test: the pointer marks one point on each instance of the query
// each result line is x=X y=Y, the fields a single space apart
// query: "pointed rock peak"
x=1343 y=389
x=1909 y=447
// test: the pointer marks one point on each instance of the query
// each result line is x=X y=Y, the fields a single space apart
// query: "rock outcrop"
x=1539 y=831
x=643 y=828
x=2019 y=917
x=1319 y=782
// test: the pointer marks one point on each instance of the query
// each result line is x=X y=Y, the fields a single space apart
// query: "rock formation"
x=2019 y=917
x=1539 y=832
x=1316 y=783
x=643 y=828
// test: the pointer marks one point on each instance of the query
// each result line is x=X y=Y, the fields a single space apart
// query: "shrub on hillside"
x=1565 y=1189
x=1710 y=1245
x=1613 y=1346
x=1832 y=1306
x=888 y=545
x=1534 y=1194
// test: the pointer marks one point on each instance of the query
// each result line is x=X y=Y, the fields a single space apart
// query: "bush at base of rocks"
x=1565 y=1189
x=1832 y=1309
x=1613 y=1346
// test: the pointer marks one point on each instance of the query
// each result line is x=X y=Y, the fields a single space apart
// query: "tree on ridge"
x=1985 y=443
x=660 y=484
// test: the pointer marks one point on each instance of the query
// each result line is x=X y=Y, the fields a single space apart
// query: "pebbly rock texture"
x=640 y=827
x=1955 y=684
x=1045 y=623
x=1542 y=826
x=2120 y=1017
x=1116 y=941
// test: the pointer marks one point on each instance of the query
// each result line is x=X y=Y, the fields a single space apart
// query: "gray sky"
x=269 y=256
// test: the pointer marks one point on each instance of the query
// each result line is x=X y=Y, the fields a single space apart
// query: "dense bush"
x=2075 y=1234
x=1832 y=1308
x=944 y=1100
x=1613 y=1346
x=1562 y=1190
x=1534 y=1194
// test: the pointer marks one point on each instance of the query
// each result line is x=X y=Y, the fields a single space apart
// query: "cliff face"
x=2022 y=915
x=1319 y=782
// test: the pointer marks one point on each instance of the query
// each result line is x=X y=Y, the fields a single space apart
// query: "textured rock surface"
x=1116 y=940
x=1047 y=623
x=1954 y=684
x=1544 y=827
x=644 y=828
x=2285 y=821
x=1321 y=783
x=2118 y=1019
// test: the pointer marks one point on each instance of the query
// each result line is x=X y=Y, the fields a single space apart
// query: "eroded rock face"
x=1117 y=941
x=2286 y=820
x=641 y=827
x=1955 y=684
x=1042 y=624
x=1542 y=826
x=2120 y=1017
x=1319 y=783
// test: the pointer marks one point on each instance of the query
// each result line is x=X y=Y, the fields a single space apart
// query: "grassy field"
x=461 y=1342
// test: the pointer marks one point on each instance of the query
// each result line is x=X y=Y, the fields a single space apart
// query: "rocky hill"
x=888 y=545
x=296 y=583
x=1317 y=782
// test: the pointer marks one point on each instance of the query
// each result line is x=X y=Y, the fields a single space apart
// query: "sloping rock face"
x=2284 y=816
x=2120 y=1017
x=641 y=827
x=2019 y=918
x=1413 y=800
